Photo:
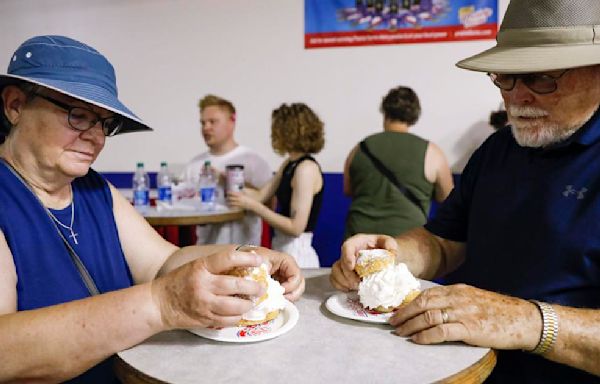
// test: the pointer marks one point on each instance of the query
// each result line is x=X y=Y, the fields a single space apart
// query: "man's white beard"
x=533 y=134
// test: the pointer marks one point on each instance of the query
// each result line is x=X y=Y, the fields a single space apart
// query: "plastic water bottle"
x=163 y=181
x=141 y=189
x=208 y=185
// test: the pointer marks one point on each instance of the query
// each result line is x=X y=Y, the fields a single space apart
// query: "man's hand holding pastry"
x=343 y=276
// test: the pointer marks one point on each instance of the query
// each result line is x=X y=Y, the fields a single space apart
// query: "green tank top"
x=377 y=204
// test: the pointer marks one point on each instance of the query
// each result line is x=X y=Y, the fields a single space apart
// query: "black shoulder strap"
x=391 y=177
x=301 y=159
x=83 y=272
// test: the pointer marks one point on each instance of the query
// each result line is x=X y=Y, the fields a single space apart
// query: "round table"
x=322 y=347
x=177 y=222
x=181 y=217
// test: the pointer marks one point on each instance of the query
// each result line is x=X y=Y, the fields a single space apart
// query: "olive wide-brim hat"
x=74 y=69
x=543 y=35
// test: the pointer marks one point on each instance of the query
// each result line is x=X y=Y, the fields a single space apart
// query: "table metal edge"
x=128 y=374
x=476 y=373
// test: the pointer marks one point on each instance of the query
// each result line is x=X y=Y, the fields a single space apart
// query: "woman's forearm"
x=287 y=225
x=59 y=342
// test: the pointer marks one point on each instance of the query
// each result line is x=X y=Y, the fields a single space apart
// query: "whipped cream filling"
x=388 y=287
x=274 y=300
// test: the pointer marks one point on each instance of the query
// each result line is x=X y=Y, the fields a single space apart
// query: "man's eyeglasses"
x=81 y=119
x=541 y=83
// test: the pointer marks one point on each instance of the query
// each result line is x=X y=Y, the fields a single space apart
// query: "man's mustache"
x=520 y=111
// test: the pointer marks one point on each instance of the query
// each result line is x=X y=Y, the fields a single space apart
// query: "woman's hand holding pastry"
x=197 y=294
x=343 y=276
x=472 y=315
x=285 y=270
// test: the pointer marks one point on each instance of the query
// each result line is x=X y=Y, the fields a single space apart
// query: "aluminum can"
x=234 y=181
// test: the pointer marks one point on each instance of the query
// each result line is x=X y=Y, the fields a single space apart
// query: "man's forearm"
x=428 y=256
x=578 y=342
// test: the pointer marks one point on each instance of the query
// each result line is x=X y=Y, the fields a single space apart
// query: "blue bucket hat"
x=74 y=69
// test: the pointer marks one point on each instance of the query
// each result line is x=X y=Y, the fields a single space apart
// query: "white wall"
x=169 y=53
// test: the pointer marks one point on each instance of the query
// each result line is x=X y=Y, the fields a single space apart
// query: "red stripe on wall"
x=400 y=36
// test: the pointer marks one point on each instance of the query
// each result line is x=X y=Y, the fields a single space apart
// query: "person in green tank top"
x=378 y=206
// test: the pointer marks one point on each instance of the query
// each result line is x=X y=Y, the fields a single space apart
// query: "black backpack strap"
x=391 y=177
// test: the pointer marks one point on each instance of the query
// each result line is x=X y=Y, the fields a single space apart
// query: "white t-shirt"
x=256 y=173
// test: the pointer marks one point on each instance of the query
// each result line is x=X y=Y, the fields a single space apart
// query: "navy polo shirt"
x=531 y=220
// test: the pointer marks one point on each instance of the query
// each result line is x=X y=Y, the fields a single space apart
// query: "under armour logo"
x=569 y=191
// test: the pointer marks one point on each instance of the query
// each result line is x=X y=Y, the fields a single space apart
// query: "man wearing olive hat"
x=522 y=227
x=82 y=274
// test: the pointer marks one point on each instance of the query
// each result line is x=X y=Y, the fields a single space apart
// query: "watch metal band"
x=549 y=328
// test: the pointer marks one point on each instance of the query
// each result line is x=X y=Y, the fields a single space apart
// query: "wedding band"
x=444 y=316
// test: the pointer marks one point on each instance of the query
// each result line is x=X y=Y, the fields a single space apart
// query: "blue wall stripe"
x=124 y=179
x=329 y=232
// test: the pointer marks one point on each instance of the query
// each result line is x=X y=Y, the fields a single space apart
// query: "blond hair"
x=216 y=101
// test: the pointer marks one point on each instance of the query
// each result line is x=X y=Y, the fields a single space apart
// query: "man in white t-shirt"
x=217 y=117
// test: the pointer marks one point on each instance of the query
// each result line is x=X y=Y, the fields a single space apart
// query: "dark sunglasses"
x=541 y=83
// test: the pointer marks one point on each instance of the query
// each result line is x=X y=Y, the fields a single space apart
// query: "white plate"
x=347 y=304
x=286 y=320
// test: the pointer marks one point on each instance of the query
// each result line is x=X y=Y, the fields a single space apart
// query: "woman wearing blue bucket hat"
x=82 y=274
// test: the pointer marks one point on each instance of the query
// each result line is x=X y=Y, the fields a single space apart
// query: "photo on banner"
x=345 y=23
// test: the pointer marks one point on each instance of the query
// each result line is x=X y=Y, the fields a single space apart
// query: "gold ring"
x=445 y=316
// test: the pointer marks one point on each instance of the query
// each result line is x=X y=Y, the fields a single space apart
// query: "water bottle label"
x=165 y=193
x=141 y=197
x=207 y=195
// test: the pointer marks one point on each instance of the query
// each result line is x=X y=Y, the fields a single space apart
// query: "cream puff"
x=384 y=285
x=370 y=261
x=267 y=306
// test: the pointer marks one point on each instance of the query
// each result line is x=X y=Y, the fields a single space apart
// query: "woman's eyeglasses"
x=541 y=83
x=81 y=119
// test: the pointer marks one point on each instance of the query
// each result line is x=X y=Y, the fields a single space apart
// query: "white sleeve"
x=192 y=170
x=259 y=171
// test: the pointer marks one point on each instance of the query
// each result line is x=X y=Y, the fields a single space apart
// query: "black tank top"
x=284 y=193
